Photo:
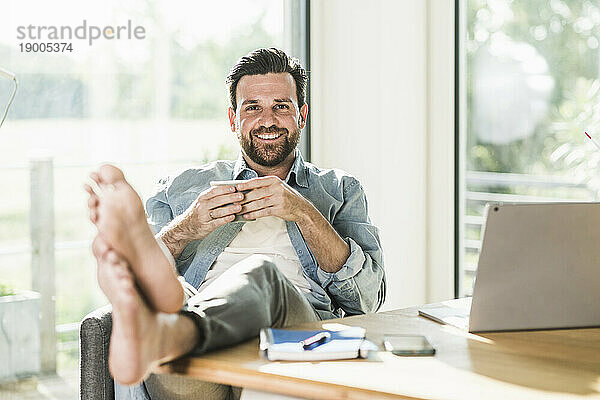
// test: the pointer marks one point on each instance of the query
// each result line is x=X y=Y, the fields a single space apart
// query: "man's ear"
x=231 y=114
x=303 y=116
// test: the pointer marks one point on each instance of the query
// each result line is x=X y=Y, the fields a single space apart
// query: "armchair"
x=95 y=382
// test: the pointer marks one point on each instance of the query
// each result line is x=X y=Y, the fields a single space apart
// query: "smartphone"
x=237 y=218
x=408 y=345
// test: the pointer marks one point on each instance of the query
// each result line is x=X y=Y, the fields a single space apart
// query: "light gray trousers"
x=250 y=295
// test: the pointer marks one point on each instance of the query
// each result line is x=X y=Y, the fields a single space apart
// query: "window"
x=151 y=105
x=529 y=89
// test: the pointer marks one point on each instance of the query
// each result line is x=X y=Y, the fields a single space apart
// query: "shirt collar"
x=298 y=170
x=241 y=167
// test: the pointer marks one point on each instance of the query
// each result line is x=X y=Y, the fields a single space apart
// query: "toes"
x=111 y=260
x=115 y=279
x=120 y=270
x=112 y=257
x=93 y=204
x=93 y=201
x=99 y=247
x=94 y=216
x=95 y=177
x=110 y=174
x=116 y=260
x=89 y=189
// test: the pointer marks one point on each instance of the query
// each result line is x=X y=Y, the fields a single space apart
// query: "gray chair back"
x=95 y=382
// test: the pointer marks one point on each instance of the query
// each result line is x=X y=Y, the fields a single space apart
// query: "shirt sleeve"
x=166 y=252
x=359 y=286
x=159 y=214
x=158 y=210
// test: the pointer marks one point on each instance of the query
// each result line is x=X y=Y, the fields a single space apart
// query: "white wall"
x=372 y=115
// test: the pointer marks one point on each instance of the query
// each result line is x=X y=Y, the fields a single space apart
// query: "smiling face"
x=267 y=120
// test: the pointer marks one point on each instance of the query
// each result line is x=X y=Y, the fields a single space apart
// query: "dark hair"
x=264 y=61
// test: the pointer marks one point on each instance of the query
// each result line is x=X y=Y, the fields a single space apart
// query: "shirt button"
x=299 y=251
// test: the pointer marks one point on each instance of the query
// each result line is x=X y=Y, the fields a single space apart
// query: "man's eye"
x=282 y=106
x=251 y=108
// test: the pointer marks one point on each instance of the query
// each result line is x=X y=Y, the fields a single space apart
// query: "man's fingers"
x=257 y=194
x=263 y=212
x=215 y=191
x=227 y=210
x=217 y=222
x=257 y=182
x=257 y=205
x=223 y=199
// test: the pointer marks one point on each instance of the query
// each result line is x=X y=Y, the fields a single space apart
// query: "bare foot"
x=140 y=338
x=134 y=340
x=119 y=216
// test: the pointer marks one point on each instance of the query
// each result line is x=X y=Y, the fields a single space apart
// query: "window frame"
x=459 y=141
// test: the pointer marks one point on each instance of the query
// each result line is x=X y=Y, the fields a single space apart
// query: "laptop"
x=539 y=268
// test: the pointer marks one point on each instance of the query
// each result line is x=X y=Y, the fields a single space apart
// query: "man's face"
x=267 y=119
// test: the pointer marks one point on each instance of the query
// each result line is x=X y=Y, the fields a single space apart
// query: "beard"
x=270 y=154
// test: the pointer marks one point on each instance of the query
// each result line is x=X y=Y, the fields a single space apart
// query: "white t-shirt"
x=267 y=236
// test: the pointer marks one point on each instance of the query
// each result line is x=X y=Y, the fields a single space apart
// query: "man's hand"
x=269 y=195
x=213 y=208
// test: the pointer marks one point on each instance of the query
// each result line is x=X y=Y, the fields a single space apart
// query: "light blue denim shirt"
x=358 y=287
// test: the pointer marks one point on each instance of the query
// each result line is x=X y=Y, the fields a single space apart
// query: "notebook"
x=284 y=344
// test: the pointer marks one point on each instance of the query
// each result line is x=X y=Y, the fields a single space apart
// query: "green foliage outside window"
x=566 y=34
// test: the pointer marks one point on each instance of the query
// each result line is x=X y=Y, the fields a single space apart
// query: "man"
x=305 y=251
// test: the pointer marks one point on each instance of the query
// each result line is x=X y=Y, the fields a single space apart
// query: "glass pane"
x=531 y=90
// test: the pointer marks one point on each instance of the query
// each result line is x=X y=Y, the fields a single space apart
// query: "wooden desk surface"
x=556 y=364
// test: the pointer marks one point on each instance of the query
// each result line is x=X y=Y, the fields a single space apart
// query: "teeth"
x=269 y=136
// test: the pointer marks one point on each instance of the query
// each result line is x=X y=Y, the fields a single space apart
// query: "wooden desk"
x=557 y=364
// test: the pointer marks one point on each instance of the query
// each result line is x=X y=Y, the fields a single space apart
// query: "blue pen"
x=315 y=340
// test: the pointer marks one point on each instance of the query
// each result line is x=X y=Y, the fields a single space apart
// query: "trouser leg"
x=250 y=295
x=176 y=387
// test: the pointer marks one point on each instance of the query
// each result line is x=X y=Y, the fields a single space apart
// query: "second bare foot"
x=134 y=340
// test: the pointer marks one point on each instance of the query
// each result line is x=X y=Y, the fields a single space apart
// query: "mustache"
x=271 y=129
